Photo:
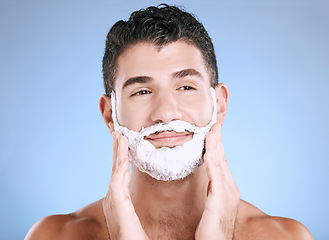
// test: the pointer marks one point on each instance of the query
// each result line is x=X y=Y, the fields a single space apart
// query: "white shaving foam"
x=166 y=163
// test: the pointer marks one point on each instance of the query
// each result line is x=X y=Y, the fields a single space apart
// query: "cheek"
x=133 y=116
x=198 y=112
x=195 y=110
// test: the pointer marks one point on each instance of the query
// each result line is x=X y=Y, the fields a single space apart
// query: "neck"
x=174 y=202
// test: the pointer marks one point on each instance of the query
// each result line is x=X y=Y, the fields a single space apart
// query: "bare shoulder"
x=86 y=223
x=254 y=224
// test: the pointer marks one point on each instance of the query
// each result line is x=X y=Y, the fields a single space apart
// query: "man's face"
x=154 y=86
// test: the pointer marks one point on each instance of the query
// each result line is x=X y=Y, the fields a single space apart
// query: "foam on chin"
x=166 y=163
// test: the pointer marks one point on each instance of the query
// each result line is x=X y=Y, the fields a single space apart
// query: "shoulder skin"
x=256 y=225
x=89 y=223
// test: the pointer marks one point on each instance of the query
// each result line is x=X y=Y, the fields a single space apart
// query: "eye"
x=187 y=88
x=141 y=92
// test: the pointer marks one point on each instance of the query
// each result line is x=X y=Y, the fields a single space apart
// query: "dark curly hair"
x=158 y=25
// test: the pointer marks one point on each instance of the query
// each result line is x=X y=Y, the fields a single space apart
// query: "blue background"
x=55 y=150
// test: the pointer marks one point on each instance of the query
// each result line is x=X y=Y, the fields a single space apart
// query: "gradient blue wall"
x=55 y=151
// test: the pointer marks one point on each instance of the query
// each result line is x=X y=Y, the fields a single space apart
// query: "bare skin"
x=89 y=223
x=206 y=204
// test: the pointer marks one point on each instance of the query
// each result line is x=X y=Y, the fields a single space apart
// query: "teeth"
x=160 y=131
x=157 y=132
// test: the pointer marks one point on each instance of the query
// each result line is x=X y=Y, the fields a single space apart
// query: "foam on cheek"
x=129 y=134
x=166 y=163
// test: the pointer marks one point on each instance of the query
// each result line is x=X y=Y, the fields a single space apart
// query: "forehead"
x=148 y=59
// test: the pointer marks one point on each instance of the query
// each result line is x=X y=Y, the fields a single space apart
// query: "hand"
x=121 y=219
x=223 y=196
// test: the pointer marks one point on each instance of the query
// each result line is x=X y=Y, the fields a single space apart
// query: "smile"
x=169 y=138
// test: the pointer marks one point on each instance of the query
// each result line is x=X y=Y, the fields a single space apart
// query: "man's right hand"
x=121 y=219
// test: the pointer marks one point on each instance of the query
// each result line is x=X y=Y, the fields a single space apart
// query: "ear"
x=105 y=106
x=222 y=96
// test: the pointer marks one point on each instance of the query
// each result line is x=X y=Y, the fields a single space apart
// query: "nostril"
x=165 y=108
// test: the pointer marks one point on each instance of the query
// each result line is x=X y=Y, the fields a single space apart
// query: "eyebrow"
x=145 y=79
x=187 y=72
x=133 y=80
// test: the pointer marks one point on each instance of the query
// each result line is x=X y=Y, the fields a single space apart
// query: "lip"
x=169 y=138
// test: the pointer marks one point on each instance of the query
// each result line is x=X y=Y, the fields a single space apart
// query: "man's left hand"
x=223 y=196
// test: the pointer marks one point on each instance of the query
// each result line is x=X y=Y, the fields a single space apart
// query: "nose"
x=165 y=108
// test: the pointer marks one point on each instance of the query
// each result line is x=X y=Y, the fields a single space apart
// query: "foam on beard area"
x=177 y=126
x=166 y=163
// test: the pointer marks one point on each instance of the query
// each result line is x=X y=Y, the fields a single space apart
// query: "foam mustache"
x=166 y=163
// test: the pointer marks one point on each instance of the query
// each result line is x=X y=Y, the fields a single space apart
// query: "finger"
x=117 y=183
x=226 y=172
x=122 y=149
x=115 y=150
x=224 y=163
x=214 y=171
x=213 y=167
x=213 y=161
x=216 y=128
x=210 y=139
x=219 y=140
x=222 y=158
x=219 y=146
x=212 y=144
x=122 y=161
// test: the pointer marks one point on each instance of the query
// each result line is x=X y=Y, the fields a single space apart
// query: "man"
x=164 y=109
